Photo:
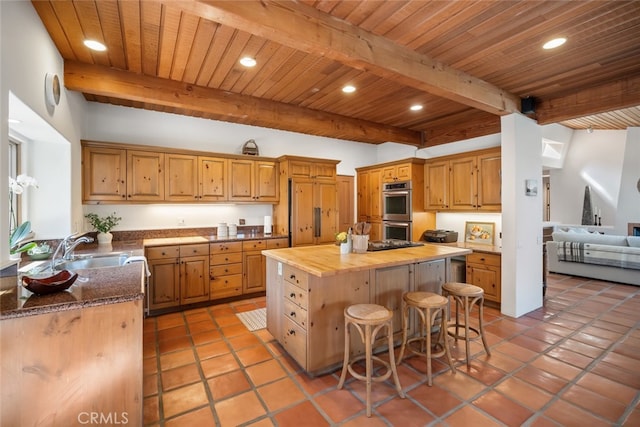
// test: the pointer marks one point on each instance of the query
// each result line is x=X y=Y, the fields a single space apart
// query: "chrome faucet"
x=67 y=245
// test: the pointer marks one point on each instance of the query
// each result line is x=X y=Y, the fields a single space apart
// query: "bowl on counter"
x=51 y=284
x=40 y=252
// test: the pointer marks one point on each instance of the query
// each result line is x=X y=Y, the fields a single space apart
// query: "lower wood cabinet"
x=179 y=275
x=253 y=266
x=484 y=270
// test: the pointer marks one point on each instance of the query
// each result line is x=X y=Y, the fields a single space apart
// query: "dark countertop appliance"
x=383 y=245
x=440 y=236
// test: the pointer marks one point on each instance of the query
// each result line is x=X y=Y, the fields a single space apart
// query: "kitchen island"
x=309 y=287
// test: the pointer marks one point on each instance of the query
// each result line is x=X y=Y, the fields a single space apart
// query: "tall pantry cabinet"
x=308 y=207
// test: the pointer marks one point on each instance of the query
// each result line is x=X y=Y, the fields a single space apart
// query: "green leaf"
x=19 y=234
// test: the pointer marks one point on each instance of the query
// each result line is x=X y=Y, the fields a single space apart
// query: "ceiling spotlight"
x=95 y=45
x=416 y=107
x=349 y=89
x=552 y=44
x=247 y=61
x=589 y=129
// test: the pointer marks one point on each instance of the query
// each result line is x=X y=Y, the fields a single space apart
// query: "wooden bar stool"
x=429 y=306
x=466 y=296
x=372 y=317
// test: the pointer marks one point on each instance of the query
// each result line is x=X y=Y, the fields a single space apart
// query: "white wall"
x=26 y=55
x=629 y=194
x=594 y=159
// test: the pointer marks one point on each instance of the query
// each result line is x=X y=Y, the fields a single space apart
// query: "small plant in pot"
x=103 y=225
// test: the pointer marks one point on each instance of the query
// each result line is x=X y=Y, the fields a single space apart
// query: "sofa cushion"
x=633 y=241
x=589 y=253
x=597 y=238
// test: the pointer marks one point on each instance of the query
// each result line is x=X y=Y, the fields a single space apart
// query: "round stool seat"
x=463 y=289
x=369 y=313
x=425 y=299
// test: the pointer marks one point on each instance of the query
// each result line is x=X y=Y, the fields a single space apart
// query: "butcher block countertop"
x=326 y=260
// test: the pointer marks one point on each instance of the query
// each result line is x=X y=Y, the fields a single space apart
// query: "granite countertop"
x=97 y=286
x=326 y=260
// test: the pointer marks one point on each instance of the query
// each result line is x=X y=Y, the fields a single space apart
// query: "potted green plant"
x=103 y=225
x=19 y=241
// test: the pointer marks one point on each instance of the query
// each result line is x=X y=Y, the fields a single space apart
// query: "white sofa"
x=598 y=256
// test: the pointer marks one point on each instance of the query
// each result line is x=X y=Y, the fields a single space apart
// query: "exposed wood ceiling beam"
x=309 y=30
x=227 y=106
x=612 y=96
x=461 y=126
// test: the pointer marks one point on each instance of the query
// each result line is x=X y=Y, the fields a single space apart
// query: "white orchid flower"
x=27 y=181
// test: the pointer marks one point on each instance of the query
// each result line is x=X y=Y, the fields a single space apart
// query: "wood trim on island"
x=309 y=287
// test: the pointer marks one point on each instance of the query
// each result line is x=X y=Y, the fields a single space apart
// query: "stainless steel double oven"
x=396 y=210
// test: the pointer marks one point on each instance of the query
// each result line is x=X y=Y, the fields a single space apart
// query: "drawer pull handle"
x=293 y=314
x=293 y=276
x=292 y=295
x=292 y=332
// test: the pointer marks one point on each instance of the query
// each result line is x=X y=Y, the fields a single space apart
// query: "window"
x=14 y=161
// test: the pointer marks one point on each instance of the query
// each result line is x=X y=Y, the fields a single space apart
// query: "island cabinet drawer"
x=295 y=295
x=295 y=276
x=485 y=259
x=222 y=259
x=277 y=243
x=225 y=286
x=254 y=245
x=223 y=247
x=163 y=252
x=295 y=313
x=223 y=270
x=194 y=250
x=294 y=341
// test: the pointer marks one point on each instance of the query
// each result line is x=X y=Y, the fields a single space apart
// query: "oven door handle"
x=397 y=224
x=395 y=193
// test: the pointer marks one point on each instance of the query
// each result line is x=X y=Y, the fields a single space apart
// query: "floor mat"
x=254 y=319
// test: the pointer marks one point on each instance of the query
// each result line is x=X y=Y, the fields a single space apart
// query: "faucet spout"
x=67 y=245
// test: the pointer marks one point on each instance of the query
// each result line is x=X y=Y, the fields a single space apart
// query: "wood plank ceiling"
x=466 y=62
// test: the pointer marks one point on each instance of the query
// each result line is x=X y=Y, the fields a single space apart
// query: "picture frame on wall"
x=482 y=233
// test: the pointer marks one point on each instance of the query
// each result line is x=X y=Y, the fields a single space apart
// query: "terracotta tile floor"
x=573 y=362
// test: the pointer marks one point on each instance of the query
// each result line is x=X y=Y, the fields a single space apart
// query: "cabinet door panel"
x=212 y=177
x=104 y=173
x=194 y=280
x=463 y=183
x=485 y=277
x=181 y=178
x=145 y=176
x=375 y=200
x=326 y=198
x=241 y=180
x=390 y=284
x=363 y=196
x=164 y=285
x=254 y=272
x=490 y=182
x=302 y=213
x=266 y=181
x=429 y=276
x=437 y=185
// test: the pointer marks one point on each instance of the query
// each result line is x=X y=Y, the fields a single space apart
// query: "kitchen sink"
x=79 y=262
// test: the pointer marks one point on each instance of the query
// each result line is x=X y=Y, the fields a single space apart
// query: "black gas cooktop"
x=383 y=245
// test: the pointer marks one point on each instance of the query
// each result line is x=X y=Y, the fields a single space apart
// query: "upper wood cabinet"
x=370 y=200
x=104 y=174
x=252 y=181
x=194 y=178
x=145 y=176
x=307 y=169
x=392 y=173
x=118 y=173
x=468 y=182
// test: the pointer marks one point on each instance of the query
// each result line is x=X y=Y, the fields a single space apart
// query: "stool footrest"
x=377 y=378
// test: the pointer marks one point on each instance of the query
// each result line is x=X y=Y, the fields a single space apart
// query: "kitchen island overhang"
x=309 y=287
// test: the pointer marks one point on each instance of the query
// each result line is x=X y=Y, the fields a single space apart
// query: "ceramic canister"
x=223 y=229
x=233 y=230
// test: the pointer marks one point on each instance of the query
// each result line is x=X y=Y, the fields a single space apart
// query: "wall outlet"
x=241 y=221
x=181 y=222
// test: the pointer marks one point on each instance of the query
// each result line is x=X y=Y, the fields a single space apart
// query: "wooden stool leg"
x=405 y=326
x=345 y=363
x=369 y=366
x=444 y=337
x=427 y=323
x=466 y=327
x=481 y=328
x=392 y=364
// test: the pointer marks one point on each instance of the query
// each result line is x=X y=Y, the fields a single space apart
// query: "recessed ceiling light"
x=552 y=44
x=416 y=107
x=247 y=61
x=349 y=89
x=95 y=45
